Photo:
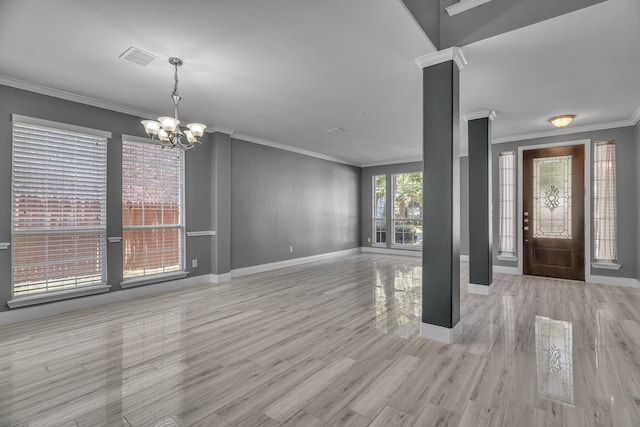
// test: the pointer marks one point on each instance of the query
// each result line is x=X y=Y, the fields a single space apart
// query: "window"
x=407 y=209
x=59 y=203
x=507 y=194
x=380 y=208
x=152 y=209
x=605 y=226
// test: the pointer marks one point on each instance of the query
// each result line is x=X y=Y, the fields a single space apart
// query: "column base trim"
x=473 y=288
x=440 y=333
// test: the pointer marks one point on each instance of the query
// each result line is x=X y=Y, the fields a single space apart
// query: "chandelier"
x=166 y=130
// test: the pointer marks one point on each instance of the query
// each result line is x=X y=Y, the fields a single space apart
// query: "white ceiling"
x=285 y=70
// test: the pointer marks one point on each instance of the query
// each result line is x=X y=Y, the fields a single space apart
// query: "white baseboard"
x=220 y=278
x=627 y=282
x=37 y=311
x=387 y=251
x=505 y=270
x=480 y=289
x=239 y=272
x=440 y=333
x=464 y=258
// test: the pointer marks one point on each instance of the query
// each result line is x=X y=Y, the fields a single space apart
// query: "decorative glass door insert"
x=552 y=197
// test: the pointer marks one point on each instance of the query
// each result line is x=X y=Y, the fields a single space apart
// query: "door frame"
x=587 y=201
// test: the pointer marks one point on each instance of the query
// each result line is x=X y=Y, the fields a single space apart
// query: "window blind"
x=507 y=195
x=59 y=195
x=605 y=225
x=152 y=209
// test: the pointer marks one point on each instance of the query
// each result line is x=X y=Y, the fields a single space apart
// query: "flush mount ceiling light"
x=166 y=130
x=562 y=121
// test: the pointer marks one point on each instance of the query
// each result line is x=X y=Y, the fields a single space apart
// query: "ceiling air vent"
x=138 y=56
x=335 y=130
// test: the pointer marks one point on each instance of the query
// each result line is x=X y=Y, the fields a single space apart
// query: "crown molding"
x=216 y=128
x=454 y=54
x=392 y=162
x=635 y=118
x=564 y=131
x=297 y=150
x=69 y=96
x=490 y=114
x=463 y=6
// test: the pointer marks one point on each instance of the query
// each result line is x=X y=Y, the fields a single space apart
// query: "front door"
x=553 y=212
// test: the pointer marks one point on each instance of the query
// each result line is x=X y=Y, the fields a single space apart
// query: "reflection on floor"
x=331 y=343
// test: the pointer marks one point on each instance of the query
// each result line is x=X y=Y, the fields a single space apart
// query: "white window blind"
x=152 y=209
x=605 y=203
x=507 y=194
x=59 y=185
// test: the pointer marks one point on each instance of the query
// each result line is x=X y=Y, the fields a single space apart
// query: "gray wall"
x=636 y=133
x=464 y=205
x=500 y=16
x=367 y=195
x=367 y=192
x=281 y=199
x=16 y=101
x=427 y=14
x=627 y=190
x=487 y=20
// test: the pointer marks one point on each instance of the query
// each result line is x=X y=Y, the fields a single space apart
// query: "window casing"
x=152 y=209
x=407 y=209
x=379 y=209
x=605 y=226
x=59 y=198
x=507 y=200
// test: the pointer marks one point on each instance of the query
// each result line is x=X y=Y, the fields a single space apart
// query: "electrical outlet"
x=291 y=249
x=194 y=263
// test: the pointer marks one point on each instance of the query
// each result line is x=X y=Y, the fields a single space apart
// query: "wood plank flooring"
x=332 y=343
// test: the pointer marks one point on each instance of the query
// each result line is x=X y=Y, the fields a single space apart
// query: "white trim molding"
x=5 y=245
x=463 y=6
x=201 y=233
x=391 y=162
x=490 y=114
x=387 y=251
x=440 y=333
x=587 y=199
x=454 y=54
x=151 y=279
x=627 y=282
x=68 y=305
x=57 y=296
x=606 y=265
x=220 y=129
x=635 y=118
x=244 y=271
x=473 y=288
x=17 y=118
x=260 y=141
x=564 y=131
x=500 y=269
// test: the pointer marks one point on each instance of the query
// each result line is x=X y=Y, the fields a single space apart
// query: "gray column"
x=441 y=192
x=221 y=206
x=480 y=232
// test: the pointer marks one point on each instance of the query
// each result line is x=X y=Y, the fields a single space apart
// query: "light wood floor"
x=331 y=343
